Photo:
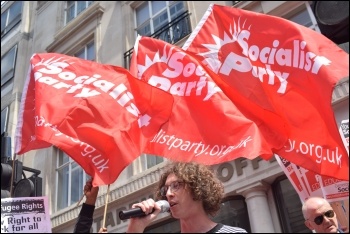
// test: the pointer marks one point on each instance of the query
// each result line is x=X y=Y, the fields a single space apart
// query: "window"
x=8 y=71
x=164 y=20
x=88 y=52
x=11 y=17
x=71 y=179
x=147 y=161
x=74 y=8
x=152 y=160
x=289 y=207
x=153 y=15
x=234 y=212
x=302 y=16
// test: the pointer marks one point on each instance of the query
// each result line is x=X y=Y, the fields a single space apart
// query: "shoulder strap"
x=216 y=228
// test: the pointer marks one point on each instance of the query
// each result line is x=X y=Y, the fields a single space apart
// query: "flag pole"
x=82 y=196
x=12 y=175
x=104 y=215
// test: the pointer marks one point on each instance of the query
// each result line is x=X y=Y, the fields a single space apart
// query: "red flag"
x=98 y=114
x=285 y=68
x=205 y=125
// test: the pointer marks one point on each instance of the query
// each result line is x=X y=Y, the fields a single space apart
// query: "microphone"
x=137 y=212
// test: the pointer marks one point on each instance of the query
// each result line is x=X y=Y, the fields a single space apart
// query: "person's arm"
x=138 y=225
x=85 y=218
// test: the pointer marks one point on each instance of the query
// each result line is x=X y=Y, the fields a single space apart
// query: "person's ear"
x=308 y=225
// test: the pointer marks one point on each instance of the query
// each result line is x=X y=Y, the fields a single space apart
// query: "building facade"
x=258 y=196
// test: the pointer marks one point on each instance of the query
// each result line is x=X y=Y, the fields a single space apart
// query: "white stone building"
x=259 y=196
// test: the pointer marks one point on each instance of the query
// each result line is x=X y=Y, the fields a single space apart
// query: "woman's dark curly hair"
x=200 y=180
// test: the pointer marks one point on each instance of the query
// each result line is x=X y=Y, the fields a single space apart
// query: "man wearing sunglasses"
x=320 y=216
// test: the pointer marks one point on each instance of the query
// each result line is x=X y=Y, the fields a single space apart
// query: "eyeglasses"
x=174 y=186
x=319 y=219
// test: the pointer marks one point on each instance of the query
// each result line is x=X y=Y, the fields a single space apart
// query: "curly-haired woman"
x=193 y=192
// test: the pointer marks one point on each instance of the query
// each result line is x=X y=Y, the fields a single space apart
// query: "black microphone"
x=137 y=212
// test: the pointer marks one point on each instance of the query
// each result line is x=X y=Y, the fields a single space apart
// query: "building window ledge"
x=91 y=13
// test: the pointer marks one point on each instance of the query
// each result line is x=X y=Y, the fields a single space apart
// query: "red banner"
x=286 y=69
x=98 y=114
x=205 y=125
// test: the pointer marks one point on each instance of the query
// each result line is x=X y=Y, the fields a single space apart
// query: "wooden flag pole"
x=82 y=196
x=104 y=215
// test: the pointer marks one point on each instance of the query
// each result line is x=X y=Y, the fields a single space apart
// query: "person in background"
x=84 y=222
x=194 y=194
x=320 y=216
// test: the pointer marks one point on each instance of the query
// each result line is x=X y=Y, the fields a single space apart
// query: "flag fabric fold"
x=98 y=114
x=244 y=84
x=286 y=69
x=205 y=125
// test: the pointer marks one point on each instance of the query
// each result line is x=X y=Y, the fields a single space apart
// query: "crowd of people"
x=195 y=194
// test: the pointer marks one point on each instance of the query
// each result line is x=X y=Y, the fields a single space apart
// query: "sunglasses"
x=319 y=219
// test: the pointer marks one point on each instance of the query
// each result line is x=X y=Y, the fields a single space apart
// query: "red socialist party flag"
x=205 y=125
x=98 y=114
x=286 y=69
